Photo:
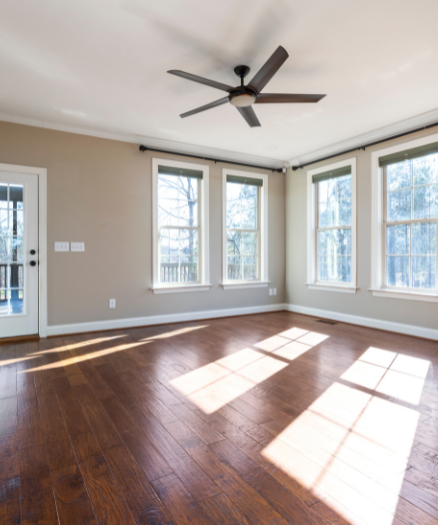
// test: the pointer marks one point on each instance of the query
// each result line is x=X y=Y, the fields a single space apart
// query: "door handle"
x=32 y=263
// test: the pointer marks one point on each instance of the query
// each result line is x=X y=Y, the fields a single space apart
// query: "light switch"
x=112 y=303
x=62 y=247
x=78 y=247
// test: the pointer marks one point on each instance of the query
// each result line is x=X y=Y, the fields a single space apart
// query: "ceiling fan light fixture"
x=242 y=101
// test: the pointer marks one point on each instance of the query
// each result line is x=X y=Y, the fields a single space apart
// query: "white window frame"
x=378 y=249
x=203 y=258
x=263 y=281
x=312 y=223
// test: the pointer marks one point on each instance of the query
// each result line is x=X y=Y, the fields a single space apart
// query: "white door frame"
x=42 y=238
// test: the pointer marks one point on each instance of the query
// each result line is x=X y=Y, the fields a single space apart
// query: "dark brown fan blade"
x=281 y=98
x=249 y=115
x=200 y=80
x=269 y=69
x=207 y=106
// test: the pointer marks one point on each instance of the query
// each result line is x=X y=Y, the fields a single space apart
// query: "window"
x=410 y=227
x=245 y=218
x=180 y=226
x=332 y=227
x=405 y=178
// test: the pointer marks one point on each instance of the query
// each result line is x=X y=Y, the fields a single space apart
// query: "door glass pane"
x=11 y=249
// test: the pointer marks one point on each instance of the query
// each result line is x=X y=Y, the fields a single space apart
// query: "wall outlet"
x=78 y=247
x=112 y=303
x=274 y=292
x=270 y=291
x=62 y=247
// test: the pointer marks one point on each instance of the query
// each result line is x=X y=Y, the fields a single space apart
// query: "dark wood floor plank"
x=97 y=418
x=74 y=417
x=285 y=502
x=221 y=511
x=138 y=443
x=181 y=505
x=72 y=500
x=96 y=381
x=37 y=499
x=86 y=446
x=193 y=477
x=9 y=460
x=250 y=502
x=8 y=380
x=8 y=416
x=10 y=511
x=108 y=502
x=59 y=448
x=204 y=431
x=134 y=484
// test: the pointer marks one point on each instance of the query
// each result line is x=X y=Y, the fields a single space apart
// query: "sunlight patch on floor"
x=174 y=333
x=81 y=358
x=352 y=444
x=395 y=375
x=214 y=385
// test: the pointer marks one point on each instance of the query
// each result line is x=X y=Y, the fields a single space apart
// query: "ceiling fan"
x=242 y=97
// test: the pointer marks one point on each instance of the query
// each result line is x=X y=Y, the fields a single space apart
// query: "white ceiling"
x=100 y=66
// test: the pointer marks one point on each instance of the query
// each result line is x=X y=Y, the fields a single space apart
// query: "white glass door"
x=19 y=274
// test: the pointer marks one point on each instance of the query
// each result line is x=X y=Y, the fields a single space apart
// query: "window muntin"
x=410 y=226
x=333 y=235
x=243 y=231
x=179 y=228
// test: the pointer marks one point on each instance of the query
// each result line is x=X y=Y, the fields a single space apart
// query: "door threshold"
x=19 y=339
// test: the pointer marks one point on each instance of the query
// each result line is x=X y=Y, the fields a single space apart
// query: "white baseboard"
x=114 y=324
x=417 y=331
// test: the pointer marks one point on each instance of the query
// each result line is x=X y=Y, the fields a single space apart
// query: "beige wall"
x=99 y=192
x=363 y=303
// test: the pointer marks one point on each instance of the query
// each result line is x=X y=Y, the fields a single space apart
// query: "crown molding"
x=380 y=134
x=181 y=147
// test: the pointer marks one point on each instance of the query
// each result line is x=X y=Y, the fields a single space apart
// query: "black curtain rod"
x=145 y=148
x=365 y=146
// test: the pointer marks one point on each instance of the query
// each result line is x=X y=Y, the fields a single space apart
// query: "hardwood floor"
x=265 y=419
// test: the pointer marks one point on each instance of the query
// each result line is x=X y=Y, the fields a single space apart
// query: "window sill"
x=244 y=284
x=181 y=288
x=332 y=287
x=407 y=295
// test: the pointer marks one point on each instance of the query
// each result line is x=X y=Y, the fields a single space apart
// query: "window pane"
x=235 y=268
x=242 y=206
x=249 y=245
x=234 y=243
x=426 y=202
x=250 y=268
x=3 y=196
x=398 y=239
x=334 y=269
x=397 y=269
x=334 y=242
x=4 y=230
x=424 y=238
x=177 y=201
x=426 y=170
x=178 y=255
x=399 y=205
x=188 y=244
x=334 y=197
x=398 y=176
x=424 y=272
